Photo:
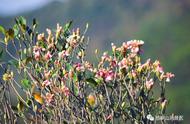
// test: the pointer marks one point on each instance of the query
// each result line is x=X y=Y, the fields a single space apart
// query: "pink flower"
x=41 y=37
x=134 y=45
x=46 y=83
x=79 y=67
x=124 y=63
x=125 y=45
x=88 y=66
x=113 y=63
x=48 y=56
x=101 y=73
x=168 y=76
x=36 y=52
x=105 y=74
x=63 y=54
x=49 y=39
x=133 y=73
x=109 y=76
x=109 y=117
x=57 y=63
x=158 y=67
x=149 y=84
x=46 y=74
x=65 y=90
x=49 y=98
x=146 y=65
x=37 y=55
x=105 y=57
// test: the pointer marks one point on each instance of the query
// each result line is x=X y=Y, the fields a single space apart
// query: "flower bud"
x=91 y=100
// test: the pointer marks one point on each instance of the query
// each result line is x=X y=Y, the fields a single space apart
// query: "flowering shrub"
x=61 y=86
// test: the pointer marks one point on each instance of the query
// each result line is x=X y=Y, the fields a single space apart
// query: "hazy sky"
x=13 y=7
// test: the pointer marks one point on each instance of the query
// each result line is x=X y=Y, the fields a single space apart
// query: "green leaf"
x=26 y=83
x=92 y=81
x=14 y=108
x=2 y=30
x=22 y=20
x=76 y=90
x=27 y=60
x=67 y=26
x=29 y=102
x=20 y=106
x=34 y=23
x=13 y=62
x=68 y=66
x=16 y=30
x=75 y=77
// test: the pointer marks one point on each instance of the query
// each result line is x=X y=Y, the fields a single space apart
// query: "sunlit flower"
x=146 y=65
x=47 y=74
x=158 y=67
x=38 y=98
x=88 y=66
x=109 y=76
x=79 y=67
x=134 y=45
x=36 y=51
x=91 y=99
x=109 y=117
x=105 y=57
x=74 y=38
x=37 y=55
x=71 y=73
x=149 y=84
x=113 y=47
x=113 y=63
x=41 y=37
x=168 y=76
x=125 y=63
x=48 y=56
x=101 y=73
x=57 y=63
x=58 y=30
x=63 y=54
x=7 y=76
x=65 y=90
x=46 y=83
x=50 y=35
x=49 y=98
x=133 y=73
x=125 y=45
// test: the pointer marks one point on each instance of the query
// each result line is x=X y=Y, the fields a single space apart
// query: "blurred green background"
x=164 y=25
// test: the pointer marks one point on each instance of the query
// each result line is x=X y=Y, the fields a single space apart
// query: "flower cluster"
x=61 y=86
